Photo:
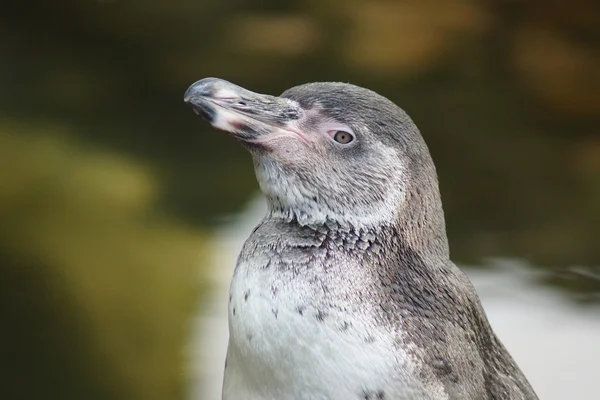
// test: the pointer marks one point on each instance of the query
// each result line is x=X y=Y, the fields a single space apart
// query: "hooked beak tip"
x=202 y=88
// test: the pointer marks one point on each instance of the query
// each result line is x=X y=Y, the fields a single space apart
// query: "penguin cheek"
x=285 y=150
x=291 y=151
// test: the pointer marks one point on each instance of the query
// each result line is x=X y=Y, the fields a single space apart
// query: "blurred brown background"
x=110 y=187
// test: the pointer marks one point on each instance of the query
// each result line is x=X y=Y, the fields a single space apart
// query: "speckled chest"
x=303 y=317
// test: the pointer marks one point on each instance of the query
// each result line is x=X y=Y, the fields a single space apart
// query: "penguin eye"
x=342 y=137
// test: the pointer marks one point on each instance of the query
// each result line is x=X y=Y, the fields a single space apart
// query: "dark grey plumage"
x=346 y=290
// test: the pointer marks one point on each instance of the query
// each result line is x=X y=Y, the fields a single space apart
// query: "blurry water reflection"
x=554 y=340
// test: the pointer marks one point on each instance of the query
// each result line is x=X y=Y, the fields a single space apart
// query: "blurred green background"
x=110 y=187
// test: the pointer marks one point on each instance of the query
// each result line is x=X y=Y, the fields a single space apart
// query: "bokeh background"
x=111 y=190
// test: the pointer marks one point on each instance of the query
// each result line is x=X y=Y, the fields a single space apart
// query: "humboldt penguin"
x=346 y=290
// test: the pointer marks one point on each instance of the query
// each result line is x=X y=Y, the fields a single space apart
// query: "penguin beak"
x=251 y=117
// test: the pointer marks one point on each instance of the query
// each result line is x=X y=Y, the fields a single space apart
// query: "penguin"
x=345 y=290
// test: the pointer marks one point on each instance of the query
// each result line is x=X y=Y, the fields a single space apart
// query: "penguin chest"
x=303 y=336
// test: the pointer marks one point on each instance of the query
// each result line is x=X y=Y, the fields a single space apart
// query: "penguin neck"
x=386 y=240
